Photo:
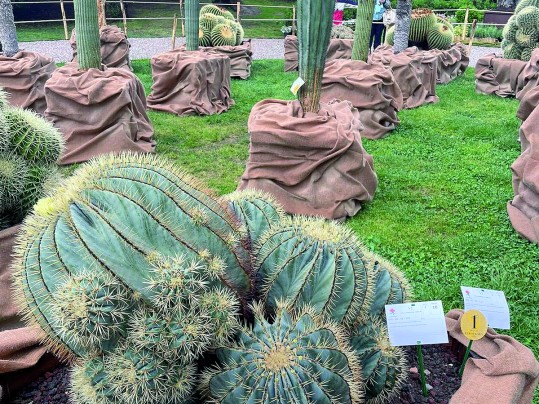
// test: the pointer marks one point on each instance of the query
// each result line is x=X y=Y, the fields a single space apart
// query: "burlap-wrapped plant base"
x=370 y=88
x=190 y=83
x=19 y=344
x=23 y=77
x=415 y=72
x=530 y=75
x=337 y=49
x=505 y=372
x=496 y=75
x=98 y=112
x=241 y=58
x=114 y=47
x=523 y=210
x=313 y=165
x=451 y=62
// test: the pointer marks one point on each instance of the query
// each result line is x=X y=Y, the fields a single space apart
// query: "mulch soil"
x=441 y=362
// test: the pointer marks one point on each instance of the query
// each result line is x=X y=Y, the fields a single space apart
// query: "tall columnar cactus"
x=365 y=10
x=299 y=358
x=521 y=33
x=314 y=262
x=314 y=31
x=87 y=29
x=192 y=24
x=29 y=149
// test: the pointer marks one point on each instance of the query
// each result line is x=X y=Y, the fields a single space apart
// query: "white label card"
x=491 y=303
x=414 y=323
x=296 y=85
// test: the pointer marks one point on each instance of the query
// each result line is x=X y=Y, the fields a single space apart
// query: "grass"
x=444 y=180
x=163 y=28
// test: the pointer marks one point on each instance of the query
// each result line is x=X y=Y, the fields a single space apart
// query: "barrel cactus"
x=341 y=32
x=422 y=20
x=299 y=357
x=521 y=33
x=390 y=35
x=29 y=149
x=218 y=28
x=440 y=37
x=223 y=35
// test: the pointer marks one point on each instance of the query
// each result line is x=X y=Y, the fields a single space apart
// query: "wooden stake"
x=124 y=17
x=293 y=20
x=64 y=18
x=472 y=35
x=174 y=26
x=238 y=9
x=465 y=26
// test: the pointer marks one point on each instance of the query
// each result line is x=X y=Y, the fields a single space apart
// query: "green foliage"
x=488 y=31
x=420 y=24
x=440 y=37
x=460 y=16
x=298 y=345
x=314 y=31
x=342 y=32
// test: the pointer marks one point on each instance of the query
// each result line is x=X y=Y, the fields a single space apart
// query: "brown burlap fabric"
x=451 y=62
x=23 y=77
x=414 y=71
x=98 y=112
x=371 y=88
x=19 y=345
x=114 y=47
x=496 y=75
x=313 y=165
x=530 y=75
x=523 y=210
x=507 y=372
x=337 y=49
x=190 y=82
x=241 y=58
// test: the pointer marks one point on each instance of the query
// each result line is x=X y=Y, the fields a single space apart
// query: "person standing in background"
x=338 y=14
x=378 y=27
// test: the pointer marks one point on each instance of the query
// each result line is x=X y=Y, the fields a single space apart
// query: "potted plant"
x=308 y=154
x=98 y=109
x=22 y=73
x=191 y=81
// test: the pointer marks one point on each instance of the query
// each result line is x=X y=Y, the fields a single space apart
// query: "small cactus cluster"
x=427 y=28
x=341 y=32
x=140 y=275
x=29 y=149
x=521 y=33
x=217 y=27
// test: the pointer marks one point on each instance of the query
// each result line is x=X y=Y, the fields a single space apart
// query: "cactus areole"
x=191 y=24
x=87 y=29
x=314 y=31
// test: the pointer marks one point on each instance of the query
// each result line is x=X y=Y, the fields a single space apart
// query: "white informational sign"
x=296 y=85
x=491 y=303
x=416 y=323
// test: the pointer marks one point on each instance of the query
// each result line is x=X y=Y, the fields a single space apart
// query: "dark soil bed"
x=440 y=362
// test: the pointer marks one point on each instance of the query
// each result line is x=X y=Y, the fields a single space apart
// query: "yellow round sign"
x=473 y=324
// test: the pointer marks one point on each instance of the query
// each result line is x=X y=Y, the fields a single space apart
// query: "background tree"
x=402 y=25
x=8 y=32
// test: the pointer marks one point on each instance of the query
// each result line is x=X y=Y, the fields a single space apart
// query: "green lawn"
x=163 y=27
x=444 y=181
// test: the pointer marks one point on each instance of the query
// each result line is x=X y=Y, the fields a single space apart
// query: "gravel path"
x=145 y=48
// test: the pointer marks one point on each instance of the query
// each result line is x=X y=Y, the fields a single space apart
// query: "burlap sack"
x=371 y=88
x=337 y=49
x=313 y=165
x=190 y=82
x=507 y=372
x=496 y=75
x=23 y=77
x=241 y=58
x=451 y=62
x=414 y=71
x=114 y=47
x=523 y=210
x=98 y=112
x=19 y=344
x=530 y=75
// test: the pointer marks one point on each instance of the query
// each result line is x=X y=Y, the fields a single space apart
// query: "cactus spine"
x=521 y=33
x=440 y=37
x=87 y=28
x=360 y=50
x=192 y=24
x=314 y=30
x=223 y=35
x=298 y=358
